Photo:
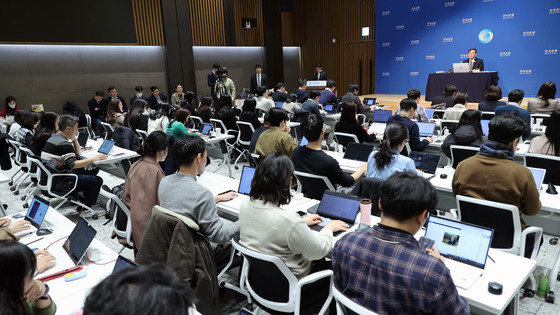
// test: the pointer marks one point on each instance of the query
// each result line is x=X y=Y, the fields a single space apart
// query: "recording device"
x=220 y=73
x=424 y=243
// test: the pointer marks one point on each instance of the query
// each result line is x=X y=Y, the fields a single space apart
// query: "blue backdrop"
x=517 y=38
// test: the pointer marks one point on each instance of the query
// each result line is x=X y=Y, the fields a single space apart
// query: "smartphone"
x=302 y=214
x=425 y=242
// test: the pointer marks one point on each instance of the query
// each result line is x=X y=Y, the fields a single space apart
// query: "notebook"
x=381 y=115
x=244 y=188
x=426 y=129
x=369 y=101
x=538 y=176
x=464 y=245
x=425 y=162
x=337 y=206
x=358 y=151
x=485 y=129
x=79 y=240
x=205 y=128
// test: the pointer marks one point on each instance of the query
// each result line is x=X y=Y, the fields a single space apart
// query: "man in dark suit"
x=328 y=96
x=258 y=79
x=280 y=95
x=474 y=63
x=97 y=110
x=114 y=96
x=138 y=94
x=319 y=73
x=212 y=77
x=156 y=98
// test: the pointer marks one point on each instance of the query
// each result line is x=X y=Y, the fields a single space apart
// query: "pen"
x=34 y=241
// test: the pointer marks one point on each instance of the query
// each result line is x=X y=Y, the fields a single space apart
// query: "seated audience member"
x=348 y=123
x=113 y=96
x=48 y=126
x=255 y=137
x=204 y=111
x=312 y=103
x=15 y=126
x=156 y=97
x=447 y=97
x=352 y=97
x=546 y=101
x=420 y=112
x=286 y=235
x=291 y=105
x=493 y=175
x=328 y=95
x=515 y=98
x=493 y=96
x=159 y=118
x=384 y=269
x=7 y=233
x=301 y=92
x=468 y=132
x=264 y=103
x=178 y=126
x=455 y=112
x=10 y=108
x=281 y=95
x=142 y=181
x=549 y=143
x=115 y=115
x=225 y=113
x=407 y=110
x=137 y=117
x=19 y=293
x=178 y=97
x=138 y=94
x=63 y=147
x=97 y=110
x=388 y=160
x=249 y=113
x=28 y=121
x=140 y=290
x=311 y=159
x=182 y=194
x=72 y=109
x=188 y=104
x=277 y=138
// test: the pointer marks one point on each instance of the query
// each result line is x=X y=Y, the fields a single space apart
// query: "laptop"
x=123 y=263
x=460 y=67
x=429 y=113
x=279 y=104
x=329 y=108
x=426 y=129
x=485 y=129
x=79 y=240
x=105 y=148
x=247 y=174
x=381 y=115
x=82 y=139
x=369 y=101
x=425 y=162
x=36 y=213
x=358 y=151
x=303 y=141
x=205 y=128
x=538 y=176
x=337 y=206
x=464 y=245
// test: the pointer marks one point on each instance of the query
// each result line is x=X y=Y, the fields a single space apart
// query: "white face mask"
x=12 y=106
x=138 y=95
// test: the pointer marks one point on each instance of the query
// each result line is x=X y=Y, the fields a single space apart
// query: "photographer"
x=224 y=85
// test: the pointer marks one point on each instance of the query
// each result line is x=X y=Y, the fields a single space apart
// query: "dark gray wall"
x=54 y=74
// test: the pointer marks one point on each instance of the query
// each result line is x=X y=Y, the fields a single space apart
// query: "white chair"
x=142 y=134
x=342 y=139
x=197 y=121
x=549 y=162
x=115 y=205
x=313 y=186
x=246 y=130
x=361 y=119
x=253 y=279
x=343 y=303
x=17 y=159
x=460 y=153
x=218 y=123
x=487 y=115
x=108 y=130
x=32 y=173
x=90 y=131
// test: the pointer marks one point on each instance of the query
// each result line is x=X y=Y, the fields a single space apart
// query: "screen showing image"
x=429 y=113
x=484 y=123
x=245 y=181
x=37 y=212
x=538 y=176
x=381 y=115
x=106 y=146
x=339 y=206
x=329 y=108
x=205 y=128
x=369 y=101
x=279 y=104
x=303 y=142
x=425 y=162
x=426 y=129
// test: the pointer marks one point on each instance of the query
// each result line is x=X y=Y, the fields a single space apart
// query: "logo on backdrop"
x=385 y=13
x=529 y=34
x=485 y=36
x=385 y=74
x=449 y=4
x=463 y=56
x=431 y=24
x=505 y=53
x=385 y=44
x=551 y=51
x=399 y=58
x=508 y=16
x=399 y=27
x=430 y=57
x=468 y=20
x=415 y=9
x=554 y=11
x=415 y=42
x=414 y=74
x=524 y=71
x=448 y=39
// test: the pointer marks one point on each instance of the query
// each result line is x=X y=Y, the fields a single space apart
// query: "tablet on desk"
x=329 y=108
x=429 y=113
x=82 y=139
x=278 y=104
x=247 y=175
x=358 y=151
x=426 y=129
x=337 y=206
x=37 y=211
x=538 y=176
x=123 y=263
x=79 y=240
x=484 y=124
x=303 y=141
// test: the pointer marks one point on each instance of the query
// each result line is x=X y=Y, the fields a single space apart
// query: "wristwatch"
x=46 y=294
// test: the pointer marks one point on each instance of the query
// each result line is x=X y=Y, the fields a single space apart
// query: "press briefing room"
x=279 y=157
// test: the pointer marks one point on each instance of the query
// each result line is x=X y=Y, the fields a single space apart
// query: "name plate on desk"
x=317 y=83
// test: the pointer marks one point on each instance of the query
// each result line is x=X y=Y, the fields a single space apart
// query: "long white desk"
x=70 y=296
x=221 y=141
x=116 y=155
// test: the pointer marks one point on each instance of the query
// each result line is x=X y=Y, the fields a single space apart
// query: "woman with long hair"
x=225 y=113
x=9 y=111
x=468 y=132
x=549 y=143
x=48 y=126
x=115 y=116
x=388 y=160
x=178 y=126
x=137 y=117
x=159 y=118
x=19 y=293
x=349 y=123
x=546 y=101
x=204 y=111
x=249 y=113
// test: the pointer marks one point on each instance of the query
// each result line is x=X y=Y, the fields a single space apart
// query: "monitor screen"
x=538 y=176
x=205 y=128
x=329 y=107
x=339 y=206
x=79 y=240
x=358 y=151
x=37 y=211
x=245 y=181
x=369 y=101
x=484 y=123
x=303 y=141
x=425 y=162
x=460 y=241
x=382 y=115
x=429 y=113
x=106 y=146
x=426 y=129
x=123 y=263
x=279 y=104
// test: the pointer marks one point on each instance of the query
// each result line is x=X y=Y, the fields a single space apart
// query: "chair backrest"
x=342 y=139
x=17 y=152
x=438 y=113
x=197 y=121
x=28 y=154
x=245 y=132
x=218 y=123
x=267 y=278
x=108 y=130
x=343 y=304
x=256 y=158
x=120 y=209
x=88 y=119
x=549 y=162
x=449 y=125
x=313 y=186
x=143 y=135
x=406 y=149
x=487 y=115
x=460 y=153
x=502 y=218
x=368 y=187
x=361 y=118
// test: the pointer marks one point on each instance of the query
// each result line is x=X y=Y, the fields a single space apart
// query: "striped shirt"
x=60 y=149
x=384 y=270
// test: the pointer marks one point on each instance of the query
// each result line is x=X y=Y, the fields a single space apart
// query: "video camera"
x=221 y=71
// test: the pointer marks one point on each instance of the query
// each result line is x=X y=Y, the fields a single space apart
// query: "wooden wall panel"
x=248 y=9
x=148 y=22
x=207 y=22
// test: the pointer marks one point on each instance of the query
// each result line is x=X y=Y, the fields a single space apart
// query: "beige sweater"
x=268 y=229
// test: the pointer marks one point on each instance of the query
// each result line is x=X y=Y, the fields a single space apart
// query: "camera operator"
x=224 y=85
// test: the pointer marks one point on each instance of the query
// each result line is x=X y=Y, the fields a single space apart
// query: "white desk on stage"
x=70 y=296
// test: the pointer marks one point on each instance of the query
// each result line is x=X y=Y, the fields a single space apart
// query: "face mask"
x=139 y=95
x=12 y=106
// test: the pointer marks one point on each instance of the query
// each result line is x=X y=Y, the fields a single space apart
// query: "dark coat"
x=71 y=108
x=253 y=85
x=125 y=138
x=464 y=135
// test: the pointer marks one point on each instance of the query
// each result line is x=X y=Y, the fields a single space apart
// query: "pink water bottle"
x=365 y=209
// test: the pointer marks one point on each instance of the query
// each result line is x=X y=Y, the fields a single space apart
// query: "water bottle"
x=543 y=285
x=365 y=209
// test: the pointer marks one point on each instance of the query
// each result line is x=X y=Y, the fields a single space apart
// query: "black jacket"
x=5 y=161
x=440 y=99
x=125 y=138
x=355 y=129
x=152 y=100
x=478 y=63
x=120 y=98
x=253 y=86
x=252 y=118
x=97 y=110
x=323 y=76
x=464 y=135
x=134 y=98
x=211 y=80
x=70 y=108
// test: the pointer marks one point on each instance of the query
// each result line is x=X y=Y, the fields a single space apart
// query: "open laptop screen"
x=426 y=129
x=106 y=146
x=37 y=211
x=205 y=128
x=303 y=141
x=358 y=151
x=538 y=176
x=245 y=181
x=79 y=240
x=339 y=206
x=82 y=139
x=381 y=115
x=369 y=101
x=123 y=263
x=279 y=104
x=425 y=162
x=463 y=242
x=429 y=113
x=484 y=123
x=329 y=107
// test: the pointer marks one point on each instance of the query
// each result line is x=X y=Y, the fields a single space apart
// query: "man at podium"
x=476 y=64
x=319 y=74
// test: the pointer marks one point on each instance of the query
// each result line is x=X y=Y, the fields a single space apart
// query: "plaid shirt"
x=384 y=270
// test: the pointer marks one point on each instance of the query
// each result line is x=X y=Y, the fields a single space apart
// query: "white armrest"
x=538 y=231
x=454 y=214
